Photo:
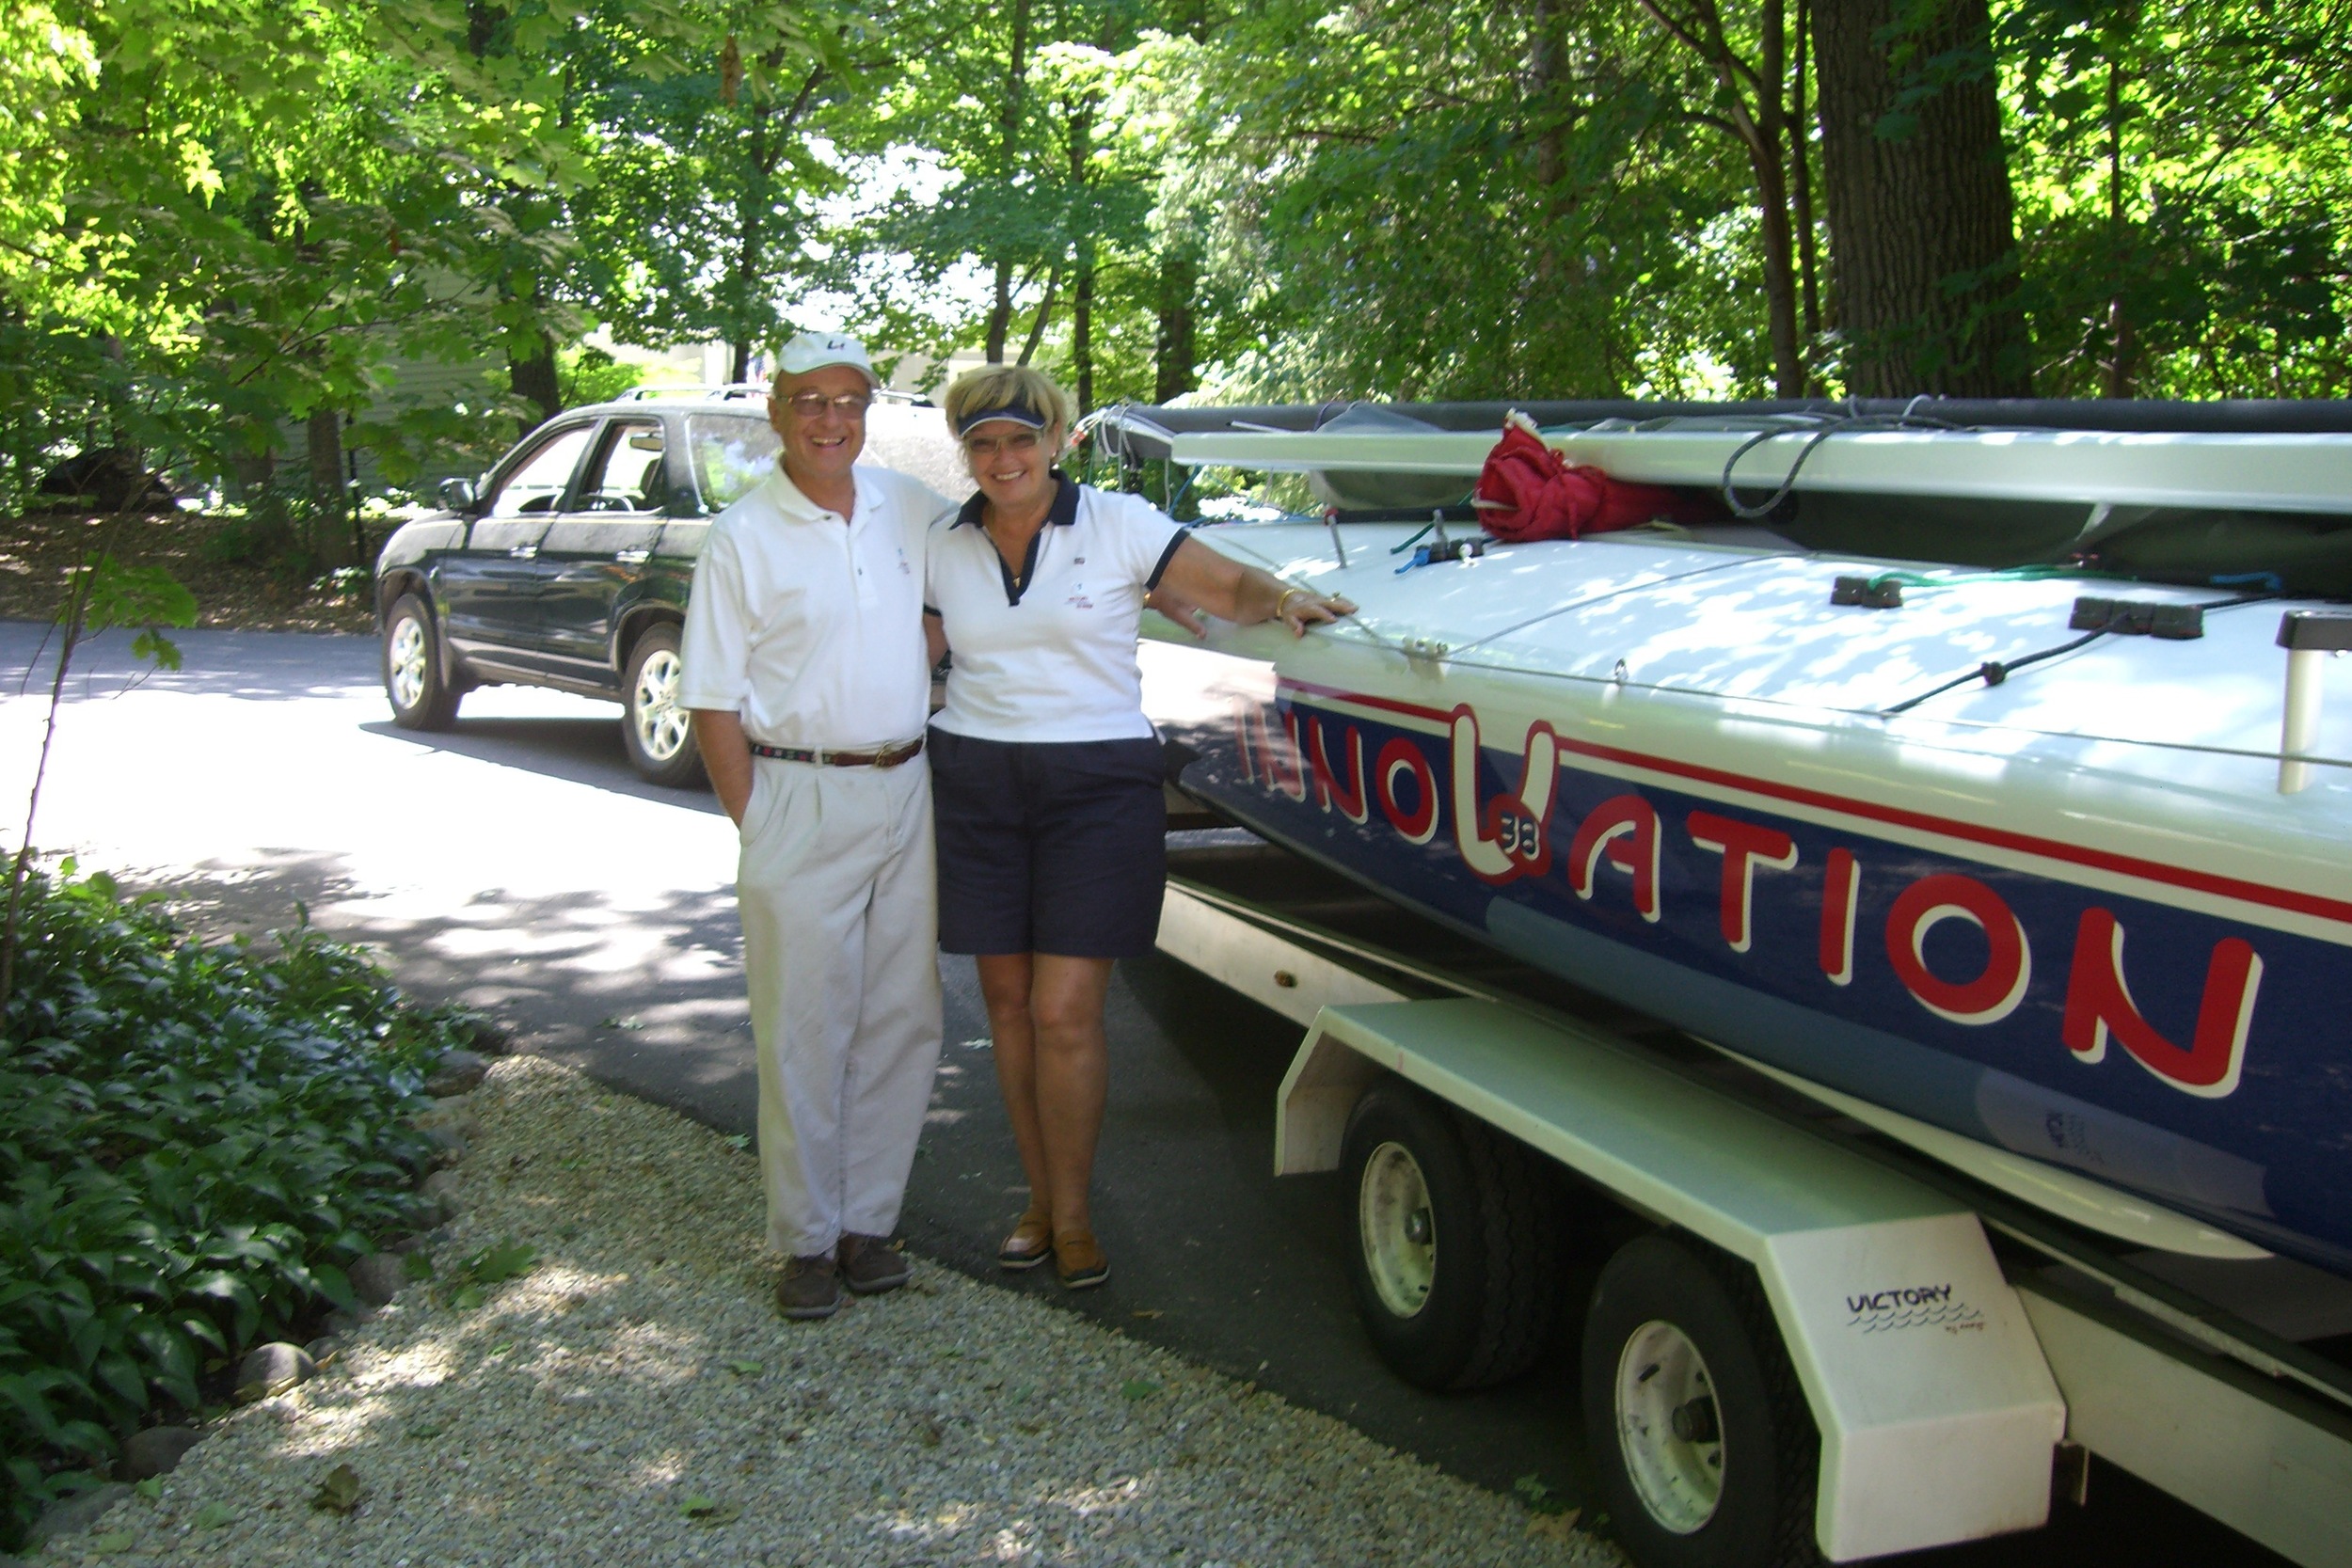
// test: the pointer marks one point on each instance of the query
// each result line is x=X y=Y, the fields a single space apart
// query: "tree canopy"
x=224 y=230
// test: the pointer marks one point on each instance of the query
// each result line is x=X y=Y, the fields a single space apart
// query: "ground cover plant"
x=196 y=1140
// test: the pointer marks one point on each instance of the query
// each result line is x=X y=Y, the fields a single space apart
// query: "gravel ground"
x=633 y=1399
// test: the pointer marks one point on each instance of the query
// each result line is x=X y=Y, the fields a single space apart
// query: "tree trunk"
x=1000 y=315
x=1009 y=129
x=1801 y=180
x=2119 y=337
x=324 y=434
x=533 y=377
x=1082 y=326
x=1551 y=138
x=1754 y=113
x=1921 y=225
x=1044 y=314
x=1173 y=349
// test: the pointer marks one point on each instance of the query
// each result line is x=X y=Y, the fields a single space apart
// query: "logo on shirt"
x=904 y=570
x=1078 y=599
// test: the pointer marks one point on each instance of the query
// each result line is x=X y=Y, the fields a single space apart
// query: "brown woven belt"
x=888 y=757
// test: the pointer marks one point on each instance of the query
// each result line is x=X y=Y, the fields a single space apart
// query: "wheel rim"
x=1399 y=1233
x=1670 y=1427
x=662 y=724
x=408 y=662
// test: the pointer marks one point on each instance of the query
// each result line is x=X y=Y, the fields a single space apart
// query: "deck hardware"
x=1870 y=593
x=2308 y=636
x=1620 y=674
x=1285 y=979
x=1427 y=648
x=1331 y=521
x=2177 y=622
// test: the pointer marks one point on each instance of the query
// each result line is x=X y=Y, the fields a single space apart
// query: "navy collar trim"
x=1063 y=512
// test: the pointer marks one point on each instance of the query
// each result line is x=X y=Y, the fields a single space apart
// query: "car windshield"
x=731 y=453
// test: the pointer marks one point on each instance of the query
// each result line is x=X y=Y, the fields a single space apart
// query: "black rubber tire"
x=683 y=770
x=436 y=706
x=1772 y=1450
x=1496 y=1216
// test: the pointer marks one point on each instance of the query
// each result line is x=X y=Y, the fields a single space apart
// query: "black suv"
x=567 y=566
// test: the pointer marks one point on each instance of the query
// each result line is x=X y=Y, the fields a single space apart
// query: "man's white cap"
x=813 y=351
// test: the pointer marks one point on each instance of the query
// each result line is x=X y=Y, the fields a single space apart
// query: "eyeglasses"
x=850 y=406
x=1019 y=443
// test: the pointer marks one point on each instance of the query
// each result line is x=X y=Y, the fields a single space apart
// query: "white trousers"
x=838 y=891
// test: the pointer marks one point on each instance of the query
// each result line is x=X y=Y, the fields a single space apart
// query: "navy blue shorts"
x=1057 y=846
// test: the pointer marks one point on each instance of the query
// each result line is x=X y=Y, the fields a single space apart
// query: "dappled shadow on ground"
x=259 y=666
x=632 y=1398
x=644 y=992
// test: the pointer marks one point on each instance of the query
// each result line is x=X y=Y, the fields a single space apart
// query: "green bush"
x=195 y=1141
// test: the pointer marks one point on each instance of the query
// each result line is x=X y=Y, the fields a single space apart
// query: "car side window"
x=625 y=475
x=731 y=453
x=538 y=483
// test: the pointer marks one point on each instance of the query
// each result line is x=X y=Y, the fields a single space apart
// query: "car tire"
x=1457 y=1258
x=1707 y=1452
x=657 y=732
x=419 y=690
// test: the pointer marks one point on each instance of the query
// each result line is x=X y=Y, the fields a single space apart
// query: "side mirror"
x=458 y=495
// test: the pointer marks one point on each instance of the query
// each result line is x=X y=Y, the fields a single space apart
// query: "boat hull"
x=2165 y=1028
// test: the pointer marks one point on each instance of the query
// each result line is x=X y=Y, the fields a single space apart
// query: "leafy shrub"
x=195 y=1141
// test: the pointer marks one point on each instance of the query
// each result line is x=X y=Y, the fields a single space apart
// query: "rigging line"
x=1831 y=425
x=1994 y=672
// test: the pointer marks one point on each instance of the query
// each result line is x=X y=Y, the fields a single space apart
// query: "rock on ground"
x=156 y=1452
x=631 y=1398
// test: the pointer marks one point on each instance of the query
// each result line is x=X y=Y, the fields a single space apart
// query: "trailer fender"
x=1937 y=1410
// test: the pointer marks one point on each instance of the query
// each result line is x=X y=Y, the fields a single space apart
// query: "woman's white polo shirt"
x=1049 y=654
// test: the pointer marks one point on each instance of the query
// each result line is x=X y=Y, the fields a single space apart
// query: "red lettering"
x=1743 y=846
x=1841 y=888
x=1401 y=757
x=1993 y=994
x=2100 y=1006
x=1622 y=828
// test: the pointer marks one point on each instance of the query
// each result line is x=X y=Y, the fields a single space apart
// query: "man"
x=806 y=673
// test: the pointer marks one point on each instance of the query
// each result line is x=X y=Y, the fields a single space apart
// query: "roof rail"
x=751 y=389
x=705 y=389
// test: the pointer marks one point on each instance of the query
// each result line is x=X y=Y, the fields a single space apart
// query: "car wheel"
x=421 y=695
x=1707 y=1451
x=659 y=732
x=1456 y=1262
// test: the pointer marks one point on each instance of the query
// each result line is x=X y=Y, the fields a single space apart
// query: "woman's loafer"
x=1079 y=1261
x=1031 y=1244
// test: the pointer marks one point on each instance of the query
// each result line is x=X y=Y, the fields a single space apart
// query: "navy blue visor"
x=1017 y=413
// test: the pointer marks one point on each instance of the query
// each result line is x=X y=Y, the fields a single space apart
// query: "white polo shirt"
x=811 y=627
x=1049 y=654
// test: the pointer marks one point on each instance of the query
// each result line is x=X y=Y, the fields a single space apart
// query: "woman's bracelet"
x=1284 y=602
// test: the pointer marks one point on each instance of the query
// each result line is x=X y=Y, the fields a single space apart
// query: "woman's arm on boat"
x=1199 y=578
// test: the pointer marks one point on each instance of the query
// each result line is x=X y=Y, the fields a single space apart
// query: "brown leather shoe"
x=869 y=1267
x=1031 y=1244
x=808 y=1288
x=1079 y=1261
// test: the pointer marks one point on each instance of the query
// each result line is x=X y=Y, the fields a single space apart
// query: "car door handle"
x=524 y=552
x=632 y=558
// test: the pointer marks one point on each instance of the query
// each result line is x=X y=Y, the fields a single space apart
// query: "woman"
x=1045 y=773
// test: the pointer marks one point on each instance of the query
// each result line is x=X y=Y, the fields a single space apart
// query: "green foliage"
x=588 y=374
x=194 y=1142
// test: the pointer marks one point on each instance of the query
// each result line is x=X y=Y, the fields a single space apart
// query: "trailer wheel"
x=1707 y=1451
x=1458 y=1229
